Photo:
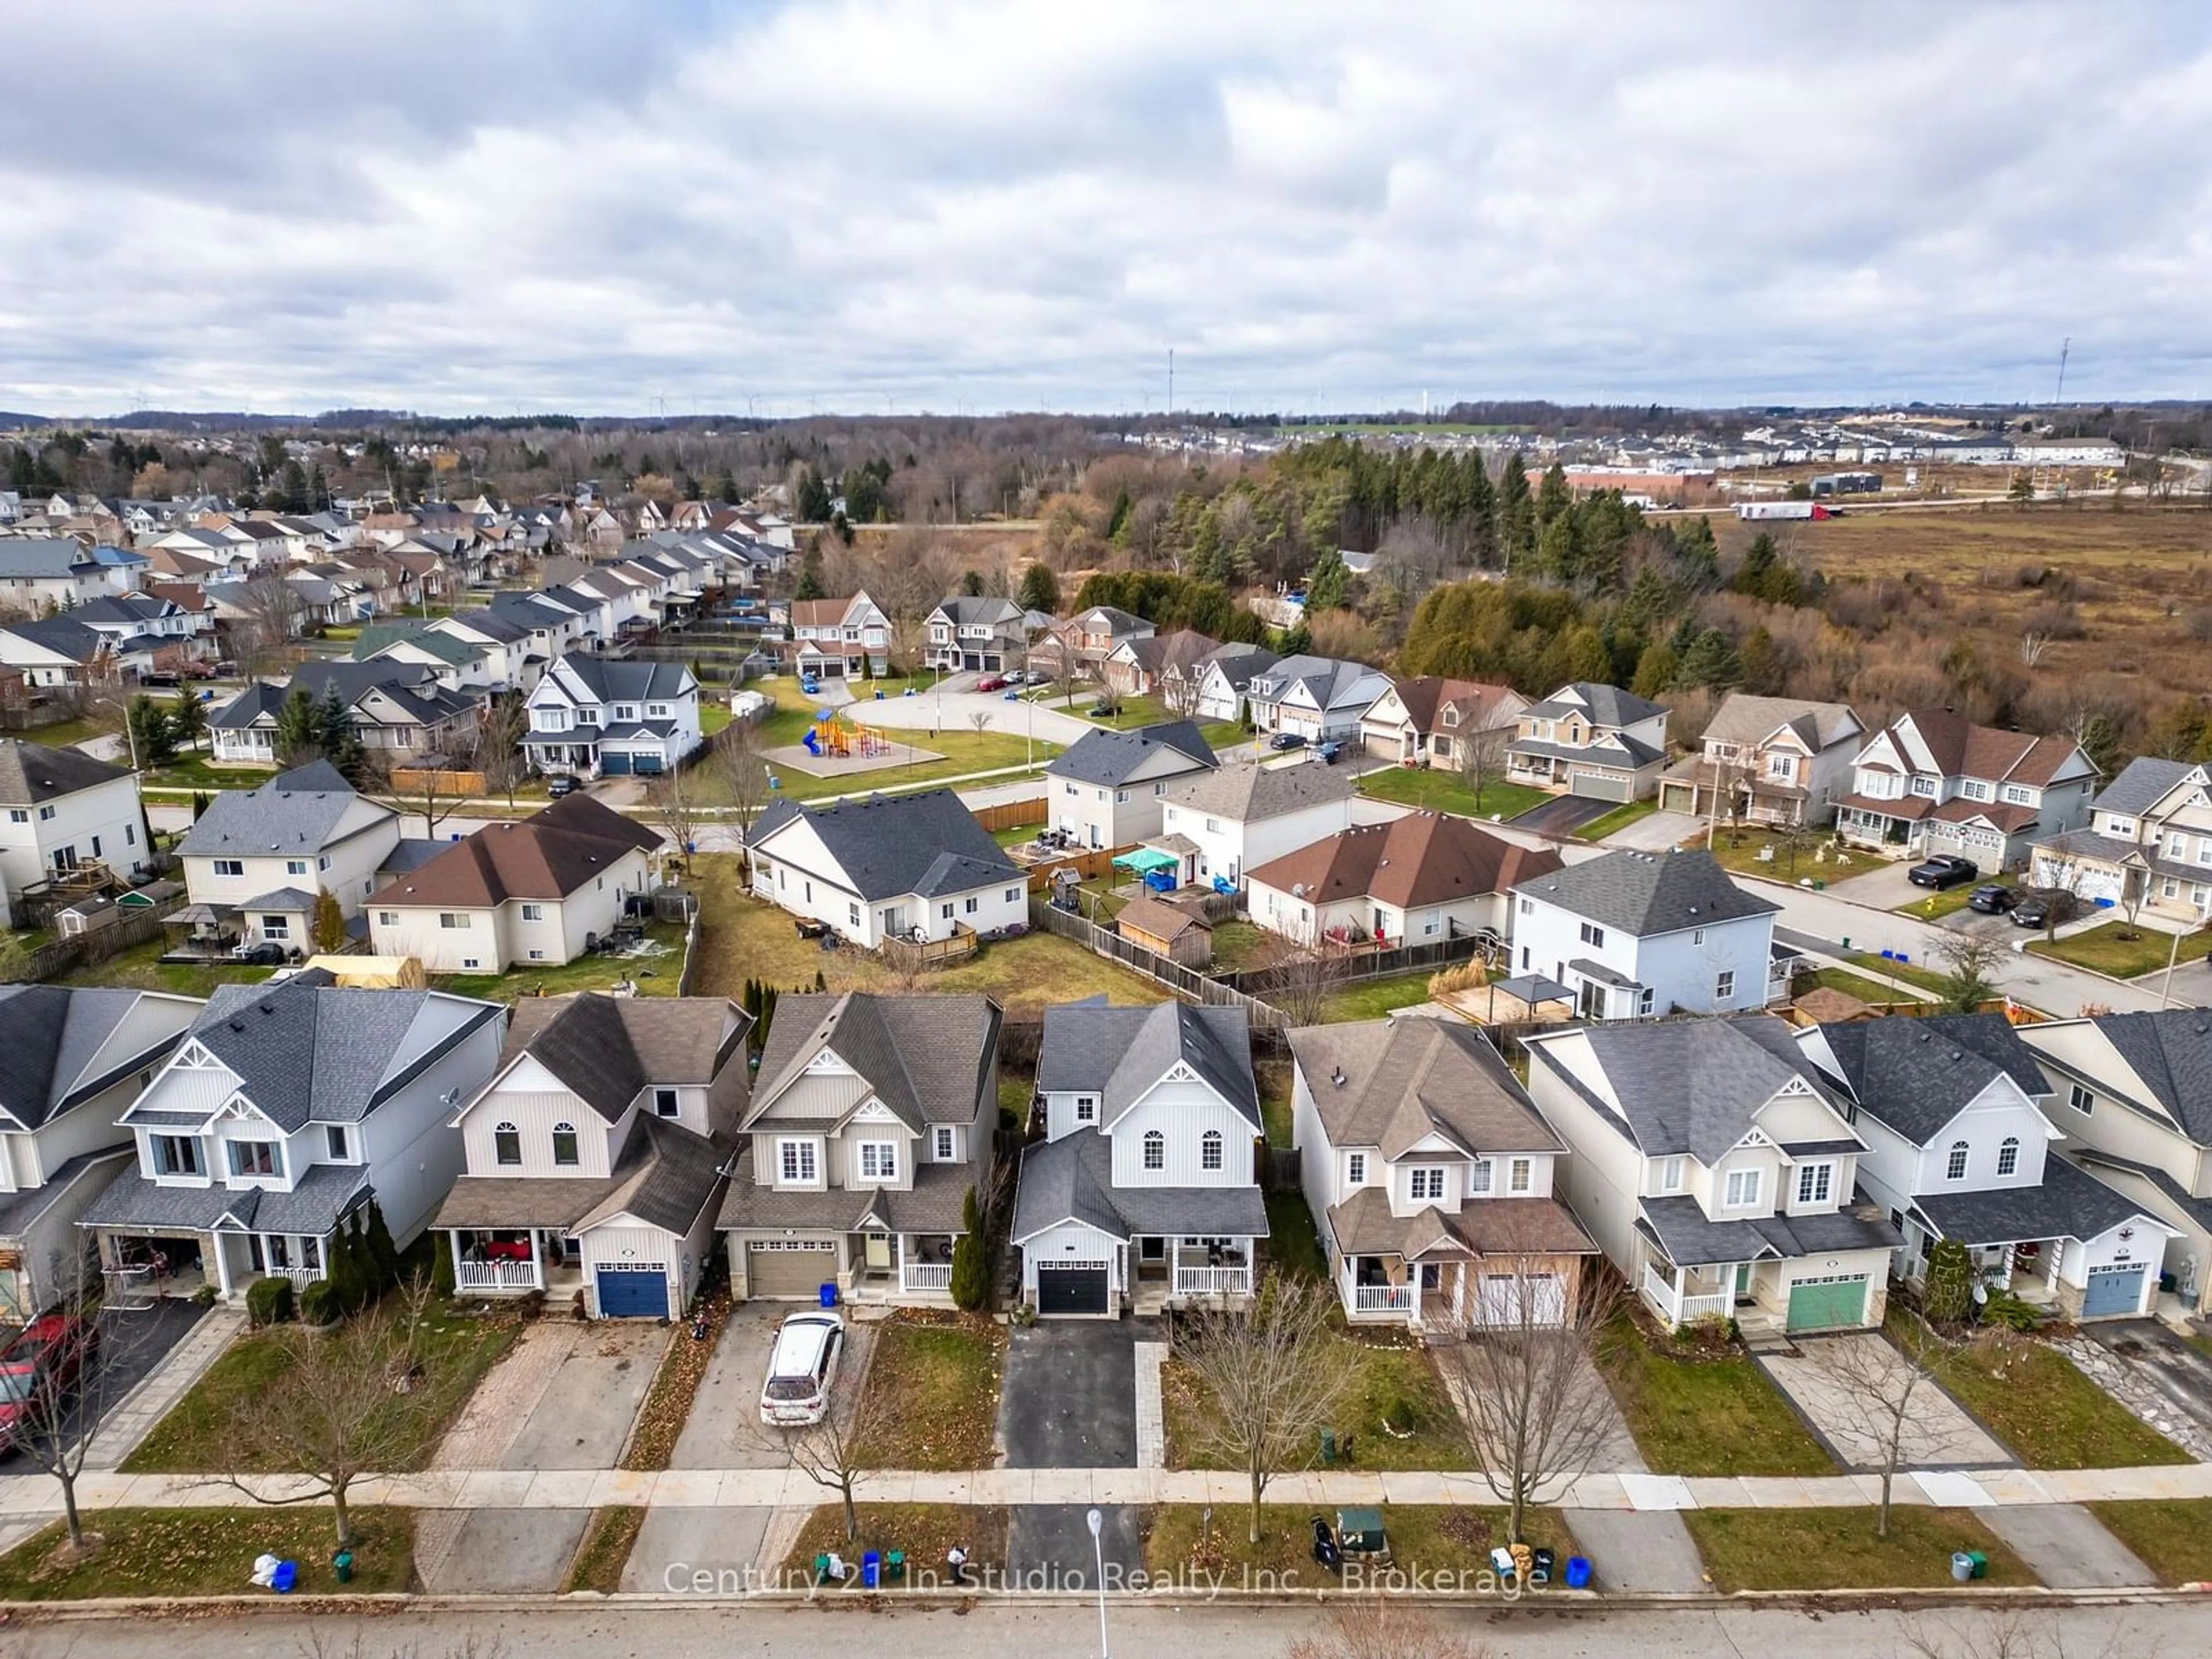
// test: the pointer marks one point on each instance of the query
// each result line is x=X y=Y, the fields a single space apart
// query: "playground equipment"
x=832 y=734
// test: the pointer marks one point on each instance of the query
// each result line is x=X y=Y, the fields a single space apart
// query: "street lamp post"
x=1096 y=1522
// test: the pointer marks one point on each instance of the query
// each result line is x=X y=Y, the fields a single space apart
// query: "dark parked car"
x=1992 y=898
x=559 y=784
x=1104 y=710
x=1330 y=751
x=2042 y=910
x=267 y=954
x=1944 y=870
x=1287 y=740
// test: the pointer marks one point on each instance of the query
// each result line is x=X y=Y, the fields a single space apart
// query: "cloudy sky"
x=902 y=204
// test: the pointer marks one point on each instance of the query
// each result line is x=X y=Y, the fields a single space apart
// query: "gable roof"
x=62 y=636
x=1249 y=793
x=53 y=1033
x=1158 y=919
x=1426 y=696
x=1961 y=748
x=31 y=772
x=1645 y=893
x=1331 y=682
x=1072 y=1179
x=1118 y=1052
x=2171 y=1050
x=2145 y=782
x=553 y=853
x=1916 y=1075
x=1420 y=858
x=888 y=846
x=1240 y=663
x=31 y=557
x=1109 y=757
x=607 y=1048
x=1747 y=720
x=976 y=611
x=623 y=680
x=1602 y=705
x=925 y=1057
x=274 y=818
x=1390 y=1083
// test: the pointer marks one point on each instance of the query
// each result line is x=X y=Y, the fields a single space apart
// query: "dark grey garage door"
x=2112 y=1291
x=1071 y=1289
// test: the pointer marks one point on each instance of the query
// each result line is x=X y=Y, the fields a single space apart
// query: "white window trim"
x=1751 y=1184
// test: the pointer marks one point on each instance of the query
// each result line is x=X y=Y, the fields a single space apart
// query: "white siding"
x=1183 y=1112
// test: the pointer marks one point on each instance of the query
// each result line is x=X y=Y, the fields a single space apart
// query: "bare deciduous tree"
x=500 y=732
x=836 y=1452
x=674 y=798
x=1481 y=758
x=1299 y=979
x=2009 y=1633
x=271 y=614
x=1877 y=1383
x=1383 y=1629
x=1535 y=1406
x=981 y=720
x=1271 y=1377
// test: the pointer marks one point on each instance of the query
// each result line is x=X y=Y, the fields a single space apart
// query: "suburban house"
x=1430 y=720
x=1430 y=1175
x=39 y=575
x=593 y=1155
x=968 y=633
x=255 y=860
x=1634 y=935
x=1422 y=878
x=75 y=1058
x=1322 y=699
x=1223 y=823
x=52 y=652
x=1107 y=788
x=839 y=638
x=68 y=823
x=1950 y=1110
x=2148 y=843
x=1171 y=664
x=1093 y=635
x=598 y=717
x=1590 y=739
x=1781 y=761
x=1225 y=684
x=2132 y=1095
x=399 y=711
x=544 y=890
x=1931 y=781
x=286 y=1109
x=1144 y=1190
x=913 y=867
x=871 y=1120
x=144 y=630
x=1715 y=1170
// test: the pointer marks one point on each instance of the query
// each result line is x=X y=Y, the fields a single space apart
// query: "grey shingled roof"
x=665 y=1176
x=607 y=1048
x=266 y=822
x=2171 y=1050
x=1916 y=1075
x=324 y=1193
x=52 y=1033
x=1249 y=793
x=931 y=1205
x=1072 y=1179
x=1108 y=757
x=2144 y=782
x=1646 y=894
x=889 y=846
x=31 y=772
x=926 y=1057
x=1602 y=705
x=2070 y=1203
x=1690 y=1240
x=1118 y=1052
x=1403 y=1078
x=620 y=680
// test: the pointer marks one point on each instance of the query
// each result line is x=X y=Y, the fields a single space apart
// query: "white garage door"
x=792 y=1270
x=1498 y=1299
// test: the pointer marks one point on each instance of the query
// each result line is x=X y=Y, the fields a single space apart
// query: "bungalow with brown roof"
x=539 y=892
x=1419 y=879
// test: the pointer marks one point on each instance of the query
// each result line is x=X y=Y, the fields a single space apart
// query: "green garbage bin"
x=1329 y=1445
x=342 y=1567
x=1981 y=1568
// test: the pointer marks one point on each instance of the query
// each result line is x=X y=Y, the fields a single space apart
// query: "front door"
x=1743 y=1281
x=879 y=1252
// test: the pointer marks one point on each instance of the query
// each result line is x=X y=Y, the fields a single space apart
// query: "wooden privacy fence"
x=1197 y=988
x=1359 y=962
x=1089 y=866
x=1012 y=815
x=64 y=956
x=444 y=781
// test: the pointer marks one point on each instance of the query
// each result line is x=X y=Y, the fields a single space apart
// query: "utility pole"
x=2064 y=346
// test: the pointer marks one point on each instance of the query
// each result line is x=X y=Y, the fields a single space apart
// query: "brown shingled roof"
x=548 y=855
x=1423 y=857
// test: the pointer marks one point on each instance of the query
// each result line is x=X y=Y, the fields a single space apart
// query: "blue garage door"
x=649 y=764
x=632 y=1293
x=613 y=762
x=2111 y=1292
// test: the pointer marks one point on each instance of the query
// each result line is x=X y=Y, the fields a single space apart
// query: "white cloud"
x=482 y=206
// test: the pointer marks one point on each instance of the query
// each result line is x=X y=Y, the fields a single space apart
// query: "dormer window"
x=1425 y=1183
x=255 y=1157
x=1743 y=1189
x=664 y=1103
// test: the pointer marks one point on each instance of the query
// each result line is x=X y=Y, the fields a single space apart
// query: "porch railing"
x=1382 y=1298
x=1212 y=1281
x=925 y=1276
x=301 y=1277
x=1685 y=1307
x=496 y=1276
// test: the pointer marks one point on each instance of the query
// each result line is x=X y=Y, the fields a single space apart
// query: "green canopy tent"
x=1145 y=861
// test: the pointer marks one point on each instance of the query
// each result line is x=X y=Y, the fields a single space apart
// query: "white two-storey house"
x=2148 y=843
x=599 y=717
x=1223 y=822
x=256 y=858
x=1143 y=1191
x=1109 y=788
x=66 y=819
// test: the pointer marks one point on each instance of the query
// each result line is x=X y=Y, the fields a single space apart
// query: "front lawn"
x=1371 y=998
x=2108 y=951
x=191 y=1439
x=934 y=1383
x=1842 y=979
x=1294 y=1242
x=742 y=937
x=1934 y=906
x=1695 y=1415
x=197 y=772
x=1619 y=818
x=1392 y=1370
x=1911 y=973
x=653 y=975
x=2172 y=1536
x=1738 y=848
x=924 y=1531
x=211 y=1551
x=2037 y=1402
x=1424 y=1538
x=1435 y=790
x=1836 y=1549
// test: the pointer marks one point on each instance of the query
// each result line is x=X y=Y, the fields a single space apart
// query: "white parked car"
x=800 y=1369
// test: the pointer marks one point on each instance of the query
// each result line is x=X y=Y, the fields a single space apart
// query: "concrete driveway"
x=1940 y=1435
x=724 y=1431
x=1069 y=1402
x=1562 y=815
x=506 y=1553
x=584 y=1416
x=2066 y=1546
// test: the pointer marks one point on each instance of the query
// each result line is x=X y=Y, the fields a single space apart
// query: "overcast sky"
x=455 y=206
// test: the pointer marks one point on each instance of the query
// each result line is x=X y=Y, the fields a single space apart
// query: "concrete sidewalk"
x=26 y=1495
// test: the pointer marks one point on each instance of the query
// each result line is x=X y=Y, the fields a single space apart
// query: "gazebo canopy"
x=1144 y=860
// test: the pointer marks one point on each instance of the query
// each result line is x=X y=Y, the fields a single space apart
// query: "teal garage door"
x=2112 y=1292
x=1820 y=1304
x=633 y=1292
x=613 y=764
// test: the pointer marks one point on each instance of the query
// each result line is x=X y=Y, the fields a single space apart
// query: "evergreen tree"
x=1697 y=555
x=971 y=1273
x=292 y=489
x=1329 y=584
x=1517 y=512
x=1948 y=1296
x=1554 y=498
x=811 y=500
x=318 y=490
x=153 y=739
x=299 y=728
x=971 y=584
x=1711 y=661
x=1557 y=554
x=342 y=1267
x=383 y=1252
x=329 y=926
x=810 y=576
x=1040 y=589
x=1587 y=658
x=337 y=736
x=1296 y=641
x=1655 y=671
x=188 y=720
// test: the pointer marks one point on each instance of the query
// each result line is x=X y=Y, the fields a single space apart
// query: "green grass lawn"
x=1294 y=1242
x=2107 y=951
x=1912 y=973
x=654 y=976
x=1436 y=789
x=1238 y=944
x=1700 y=1416
x=741 y=938
x=1272 y=1073
x=935 y=1379
x=66 y=734
x=1934 y=906
x=1390 y=1370
x=210 y=1552
x=1371 y=998
x=1866 y=990
x=714 y=717
x=923 y=1531
x=2034 y=1399
x=1619 y=818
x=197 y=772
x=140 y=967
x=2171 y=1536
x=1737 y=847
x=1226 y=737
x=1836 y=1549
x=1428 y=1539
x=190 y=1439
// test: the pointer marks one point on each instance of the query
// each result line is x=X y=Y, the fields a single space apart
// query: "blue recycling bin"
x=286 y=1575
x=828 y=1292
x=1578 y=1572
x=872 y=1569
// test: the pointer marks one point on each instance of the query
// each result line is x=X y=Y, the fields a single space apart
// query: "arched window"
x=1209 y=1150
x=507 y=1144
x=564 y=1144
x=1155 y=1150
x=1956 y=1169
x=2009 y=1156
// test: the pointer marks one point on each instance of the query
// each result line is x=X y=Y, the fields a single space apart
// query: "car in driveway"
x=991 y=682
x=559 y=784
x=1992 y=898
x=801 y=1366
x=2042 y=910
x=1287 y=740
x=1944 y=870
x=46 y=1357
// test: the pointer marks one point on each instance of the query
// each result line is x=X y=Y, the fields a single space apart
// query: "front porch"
x=1167 y=1272
x=139 y=1266
x=515 y=1261
x=1688 y=1296
x=1388 y=1290
x=899 y=1268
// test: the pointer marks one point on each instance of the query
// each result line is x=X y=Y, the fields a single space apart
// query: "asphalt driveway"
x=1562 y=815
x=131 y=1346
x=1069 y=1402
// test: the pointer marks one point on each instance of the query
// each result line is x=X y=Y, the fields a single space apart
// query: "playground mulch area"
x=891 y=754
